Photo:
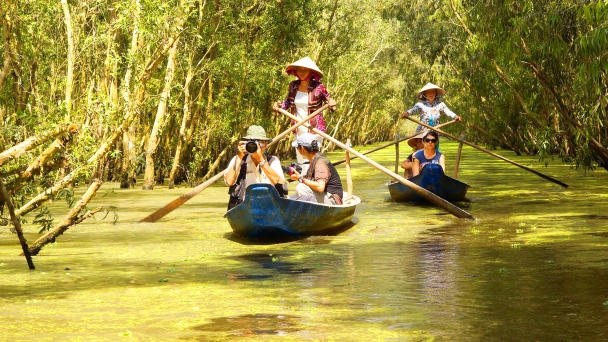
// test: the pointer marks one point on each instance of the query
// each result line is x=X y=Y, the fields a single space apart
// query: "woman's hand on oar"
x=431 y=197
x=490 y=153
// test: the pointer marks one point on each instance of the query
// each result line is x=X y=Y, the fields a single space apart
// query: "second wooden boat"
x=264 y=214
x=434 y=180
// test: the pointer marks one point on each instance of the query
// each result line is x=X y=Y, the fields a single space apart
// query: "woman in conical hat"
x=430 y=107
x=305 y=95
x=416 y=144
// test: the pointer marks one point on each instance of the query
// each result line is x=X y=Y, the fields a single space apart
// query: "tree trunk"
x=182 y=130
x=133 y=111
x=159 y=120
x=127 y=177
x=326 y=35
x=69 y=82
x=6 y=32
x=17 y=225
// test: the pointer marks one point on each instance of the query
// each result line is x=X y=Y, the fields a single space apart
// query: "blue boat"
x=264 y=214
x=434 y=180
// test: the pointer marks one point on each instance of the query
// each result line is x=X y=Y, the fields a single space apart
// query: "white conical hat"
x=427 y=87
x=305 y=62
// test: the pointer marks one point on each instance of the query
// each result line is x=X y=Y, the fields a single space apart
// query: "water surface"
x=532 y=267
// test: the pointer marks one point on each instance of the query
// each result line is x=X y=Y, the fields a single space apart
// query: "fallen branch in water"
x=70 y=219
x=33 y=142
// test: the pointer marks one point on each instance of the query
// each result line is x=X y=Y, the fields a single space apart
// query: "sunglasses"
x=430 y=140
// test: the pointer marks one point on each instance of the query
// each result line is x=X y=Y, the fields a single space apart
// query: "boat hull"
x=264 y=214
x=433 y=179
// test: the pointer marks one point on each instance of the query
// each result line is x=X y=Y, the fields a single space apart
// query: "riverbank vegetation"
x=164 y=89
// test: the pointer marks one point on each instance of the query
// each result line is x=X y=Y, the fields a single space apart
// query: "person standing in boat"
x=429 y=154
x=305 y=95
x=430 y=107
x=416 y=144
x=321 y=183
x=251 y=165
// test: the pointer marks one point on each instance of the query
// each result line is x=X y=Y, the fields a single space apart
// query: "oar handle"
x=431 y=197
x=490 y=153
x=391 y=143
x=298 y=124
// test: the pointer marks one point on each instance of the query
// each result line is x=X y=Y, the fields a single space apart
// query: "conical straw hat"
x=305 y=62
x=413 y=141
x=427 y=87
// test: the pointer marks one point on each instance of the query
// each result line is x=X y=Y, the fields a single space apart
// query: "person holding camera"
x=251 y=166
x=305 y=95
x=321 y=183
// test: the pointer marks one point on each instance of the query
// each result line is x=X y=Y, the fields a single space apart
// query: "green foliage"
x=552 y=57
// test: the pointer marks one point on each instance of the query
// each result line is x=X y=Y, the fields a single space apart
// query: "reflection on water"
x=532 y=267
x=275 y=262
x=252 y=325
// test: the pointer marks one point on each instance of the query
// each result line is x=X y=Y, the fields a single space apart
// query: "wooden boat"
x=434 y=180
x=264 y=214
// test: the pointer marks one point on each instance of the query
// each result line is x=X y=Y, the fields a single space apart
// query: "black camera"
x=291 y=168
x=251 y=146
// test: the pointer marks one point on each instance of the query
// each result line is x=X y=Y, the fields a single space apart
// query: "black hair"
x=314 y=146
x=435 y=134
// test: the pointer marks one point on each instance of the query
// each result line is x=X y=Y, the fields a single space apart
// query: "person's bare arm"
x=232 y=172
x=257 y=157
x=415 y=167
x=442 y=162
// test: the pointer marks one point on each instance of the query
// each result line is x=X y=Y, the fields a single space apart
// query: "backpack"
x=237 y=190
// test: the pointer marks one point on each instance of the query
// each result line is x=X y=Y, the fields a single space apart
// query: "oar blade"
x=176 y=203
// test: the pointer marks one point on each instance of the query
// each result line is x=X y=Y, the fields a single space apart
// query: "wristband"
x=301 y=179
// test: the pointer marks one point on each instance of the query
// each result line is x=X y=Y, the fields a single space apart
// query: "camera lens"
x=251 y=146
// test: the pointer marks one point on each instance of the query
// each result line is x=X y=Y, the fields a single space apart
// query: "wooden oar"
x=457 y=163
x=176 y=203
x=429 y=196
x=490 y=153
x=392 y=143
x=298 y=124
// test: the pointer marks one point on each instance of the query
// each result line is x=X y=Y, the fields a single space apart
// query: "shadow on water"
x=252 y=325
x=274 y=262
x=279 y=238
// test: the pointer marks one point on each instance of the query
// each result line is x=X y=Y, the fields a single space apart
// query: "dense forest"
x=114 y=90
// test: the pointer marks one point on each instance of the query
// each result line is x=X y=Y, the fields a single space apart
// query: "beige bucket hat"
x=429 y=86
x=305 y=62
x=256 y=133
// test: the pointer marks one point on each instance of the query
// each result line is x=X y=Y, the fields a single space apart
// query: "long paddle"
x=176 y=203
x=429 y=196
x=392 y=143
x=490 y=153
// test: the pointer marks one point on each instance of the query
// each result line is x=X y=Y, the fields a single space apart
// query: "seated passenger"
x=321 y=183
x=252 y=167
x=416 y=144
x=428 y=155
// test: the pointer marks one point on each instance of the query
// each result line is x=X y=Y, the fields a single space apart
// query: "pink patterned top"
x=317 y=96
